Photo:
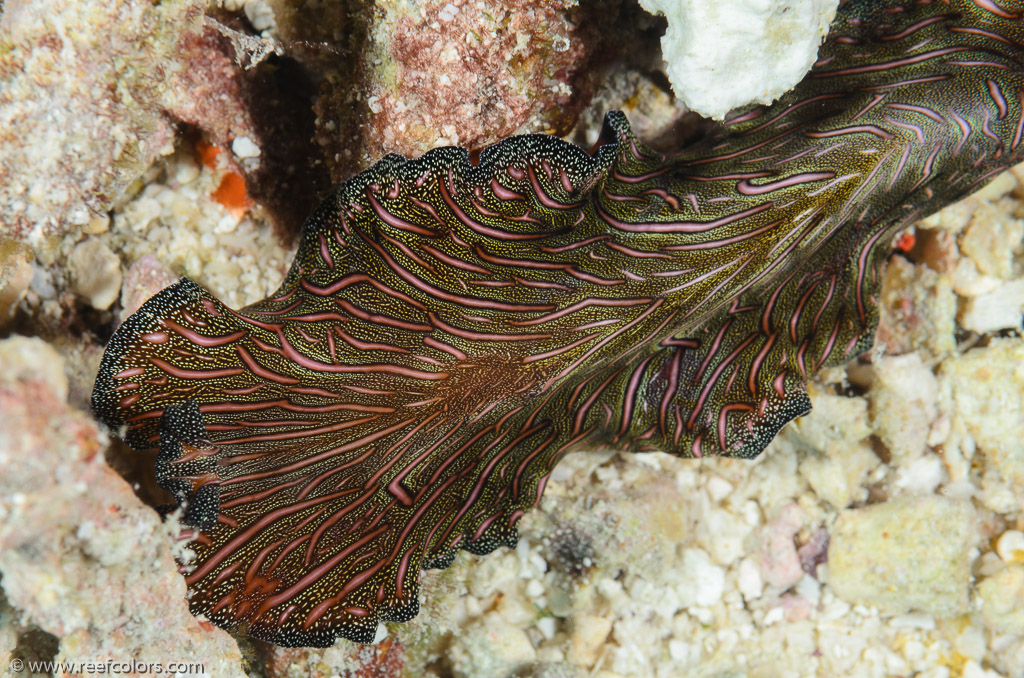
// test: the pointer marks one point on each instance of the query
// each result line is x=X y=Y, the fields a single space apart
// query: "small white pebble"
x=922 y=475
x=988 y=564
x=97 y=225
x=913 y=620
x=243 y=147
x=546 y=626
x=751 y=513
x=971 y=643
x=702 y=614
x=973 y=669
x=609 y=588
x=809 y=589
x=185 y=172
x=774 y=616
x=718 y=488
x=381 y=634
x=260 y=15
x=448 y=12
x=227 y=224
x=86 y=530
x=1010 y=546
x=749 y=579
x=648 y=460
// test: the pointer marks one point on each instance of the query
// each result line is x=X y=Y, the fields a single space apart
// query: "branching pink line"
x=305 y=361
x=366 y=345
x=183 y=373
x=427 y=288
x=579 y=305
x=200 y=339
x=560 y=350
x=651 y=309
x=480 y=228
x=705 y=392
x=453 y=261
x=399 y=223
x=483 y=336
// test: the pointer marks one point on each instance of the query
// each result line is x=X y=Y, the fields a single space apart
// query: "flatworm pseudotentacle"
x=448 y=331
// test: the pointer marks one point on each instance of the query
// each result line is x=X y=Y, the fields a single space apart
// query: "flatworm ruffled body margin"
x=450 y=329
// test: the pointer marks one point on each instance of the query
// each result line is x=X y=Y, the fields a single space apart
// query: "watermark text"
x=110 y=667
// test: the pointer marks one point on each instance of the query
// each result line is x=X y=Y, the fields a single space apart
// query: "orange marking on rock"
x=231 y=193
x=208 y=153
x=906 y=242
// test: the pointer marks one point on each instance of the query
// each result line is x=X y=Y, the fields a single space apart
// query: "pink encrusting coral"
x=80 y=555
x=457 y=72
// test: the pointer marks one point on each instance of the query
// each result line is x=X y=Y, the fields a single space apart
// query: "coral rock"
x=1002 y=600
x=906 y=554
x=95 y=273
x=780 y=563
x=721 y=55
x=469 y=73
x=916 y=310
x=81 y=557
x=90 y=101
x=903 y=404
x=982 y=391
x=15 y=277
x=144 y=278
x=491 y=649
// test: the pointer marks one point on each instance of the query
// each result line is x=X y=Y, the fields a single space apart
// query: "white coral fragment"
x=720 y=55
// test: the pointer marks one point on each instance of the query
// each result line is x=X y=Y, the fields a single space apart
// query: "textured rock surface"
x=102 y=88
x=181 y=224
x=64 y=60
x=903 y=405
x=905 y=554
x=345 y=660
x=143 y=279
x=95 y=273
x=491 y=648
x=982 y=394
x=448 y=72
x=81 y=557
x=1002 y=600
x=918 y=308
x=838 y=458
x=15 y=277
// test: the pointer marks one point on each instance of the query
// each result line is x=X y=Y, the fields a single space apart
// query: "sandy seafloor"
x=882 y=535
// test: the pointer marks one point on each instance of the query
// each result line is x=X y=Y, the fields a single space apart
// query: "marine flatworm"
x=450 y=329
